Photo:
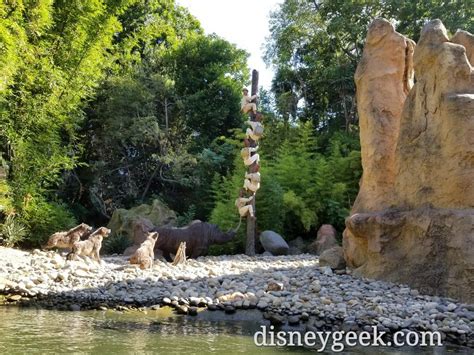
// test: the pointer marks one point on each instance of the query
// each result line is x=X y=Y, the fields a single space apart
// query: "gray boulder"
x=274 y=243
x=334 y=258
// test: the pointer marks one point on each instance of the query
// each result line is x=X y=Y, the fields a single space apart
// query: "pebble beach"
x=289 y=290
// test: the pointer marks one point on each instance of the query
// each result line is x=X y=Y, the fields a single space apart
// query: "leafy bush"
x=6 y=201
x=225 y=214
x=44 y=218
x=308 y=181
x=12 y=231
x=116 y=244
x=186 y=217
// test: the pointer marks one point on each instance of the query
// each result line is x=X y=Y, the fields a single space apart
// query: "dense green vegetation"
x=315 y=47
x=107 y=104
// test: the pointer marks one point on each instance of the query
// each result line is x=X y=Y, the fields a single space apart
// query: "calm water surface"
x=32 y=331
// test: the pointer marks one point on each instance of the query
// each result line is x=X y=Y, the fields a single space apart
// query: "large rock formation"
x=125 y=221
x=419 y=227
x=383 y=78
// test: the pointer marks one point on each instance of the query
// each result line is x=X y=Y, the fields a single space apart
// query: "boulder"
x=157 y=213
x=297 y=246
x=325 y=239
x=137 y=221
x=333 y=257
x=417 y=225
x=274 y=243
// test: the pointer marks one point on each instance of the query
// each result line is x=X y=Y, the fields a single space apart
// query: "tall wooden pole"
x=250 y=246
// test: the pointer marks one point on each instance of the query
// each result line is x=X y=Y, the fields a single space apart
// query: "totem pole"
x=246 y=201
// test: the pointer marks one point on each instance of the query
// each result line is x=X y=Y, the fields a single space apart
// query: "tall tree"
x=315 y=47
x=153 y=128
x=209 y=73
x=57 y=51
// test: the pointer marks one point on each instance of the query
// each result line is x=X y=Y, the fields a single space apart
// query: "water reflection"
x=31 y=331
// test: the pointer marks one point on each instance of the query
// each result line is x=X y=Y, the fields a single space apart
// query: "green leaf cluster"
x=314 y=47
x=309 y=180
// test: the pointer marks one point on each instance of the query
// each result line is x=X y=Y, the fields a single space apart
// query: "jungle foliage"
x=107 y=104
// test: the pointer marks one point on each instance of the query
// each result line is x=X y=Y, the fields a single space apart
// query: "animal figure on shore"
x=65 y=240
x=145 y=255
x=199 y=236
x=90 y=247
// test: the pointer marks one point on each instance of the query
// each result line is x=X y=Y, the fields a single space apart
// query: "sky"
x=242 y=22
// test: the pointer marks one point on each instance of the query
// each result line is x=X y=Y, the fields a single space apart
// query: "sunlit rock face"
x=413 y=221
x=383 y=78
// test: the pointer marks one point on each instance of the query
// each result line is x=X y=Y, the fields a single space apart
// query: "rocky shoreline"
x=289 y=290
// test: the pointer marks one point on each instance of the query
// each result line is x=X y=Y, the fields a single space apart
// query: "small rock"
x=275 y=319
x=320 y=323
x=326 y=301
x=274 y=286
x=315 y=286
x=193 y=301
x=212 y=307
x=13 y=298
x=229 y=309
x=74 y=307
x=326 y=270
x=193 y=311
x=293 y=320
x=182 y=310
x=451 y=307
x=333 y=258
x=81 y=273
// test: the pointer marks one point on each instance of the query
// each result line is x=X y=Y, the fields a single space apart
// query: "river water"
x=37 y=331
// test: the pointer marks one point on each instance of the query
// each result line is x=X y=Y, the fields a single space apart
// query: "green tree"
x=225 y=214
x=57 y=53
x=155 y=126
x=308 y=181
x=209 y=73
x=315 y=47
